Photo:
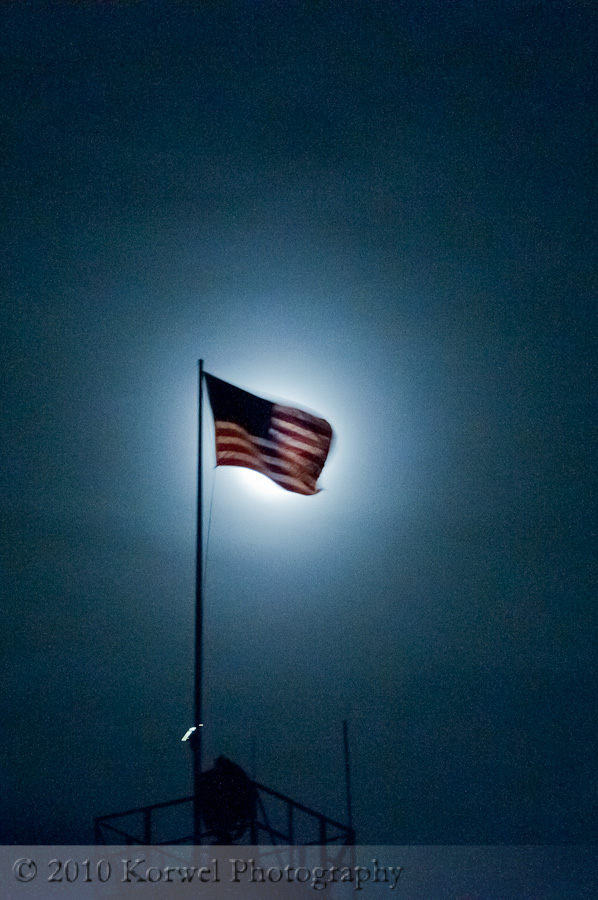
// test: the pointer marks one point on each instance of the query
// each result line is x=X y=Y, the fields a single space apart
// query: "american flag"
x=288 y=445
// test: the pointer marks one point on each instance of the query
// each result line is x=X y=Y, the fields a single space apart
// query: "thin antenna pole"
x=196 y=743
x=347 y=773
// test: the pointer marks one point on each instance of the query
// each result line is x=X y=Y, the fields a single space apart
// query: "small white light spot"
x=190 y=731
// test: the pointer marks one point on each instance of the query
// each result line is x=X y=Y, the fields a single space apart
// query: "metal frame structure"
x=278 y=820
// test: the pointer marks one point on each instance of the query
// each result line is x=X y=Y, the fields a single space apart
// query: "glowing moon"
x=259 y=484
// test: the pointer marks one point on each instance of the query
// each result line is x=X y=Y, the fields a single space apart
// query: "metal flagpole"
x=196 y=744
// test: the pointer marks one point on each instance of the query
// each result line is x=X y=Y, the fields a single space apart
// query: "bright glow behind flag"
x=288 y=445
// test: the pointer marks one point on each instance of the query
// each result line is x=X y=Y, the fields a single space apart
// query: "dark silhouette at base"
x=228 y=801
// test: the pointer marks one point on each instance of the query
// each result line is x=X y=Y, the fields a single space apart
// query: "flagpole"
x=197 y=761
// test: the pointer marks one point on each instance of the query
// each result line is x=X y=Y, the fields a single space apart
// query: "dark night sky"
x=383 y=212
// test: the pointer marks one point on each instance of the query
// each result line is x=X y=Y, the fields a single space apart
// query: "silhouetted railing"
x=277 y=820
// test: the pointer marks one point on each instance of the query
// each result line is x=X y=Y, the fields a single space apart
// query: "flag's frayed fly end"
x=189 y=732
